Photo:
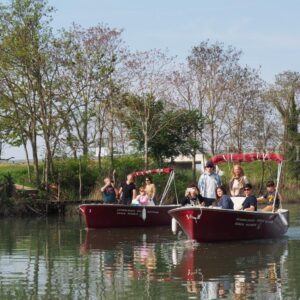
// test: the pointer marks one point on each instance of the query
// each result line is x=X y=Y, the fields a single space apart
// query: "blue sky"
x=268 y=32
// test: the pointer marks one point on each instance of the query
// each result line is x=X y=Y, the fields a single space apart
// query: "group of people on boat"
x=211 y=192
x=208 y=192
x=128 y=193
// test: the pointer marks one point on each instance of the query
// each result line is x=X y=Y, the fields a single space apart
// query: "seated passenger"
x=250 y=202
x=223 y=200
x=142 y=198
x=269 y=197
x=192 y=197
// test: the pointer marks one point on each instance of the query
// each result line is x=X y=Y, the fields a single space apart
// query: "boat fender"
x=174 y=225
x=174 y=256
x=283 y=219
x=144 y=214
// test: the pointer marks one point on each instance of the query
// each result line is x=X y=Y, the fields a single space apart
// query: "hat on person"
x=209 y=164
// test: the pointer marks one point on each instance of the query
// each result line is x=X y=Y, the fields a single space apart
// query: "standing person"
x=237 y=181
x=269 y=196
x=108 y=190
x=250 y=202
x=208 y=182
x=150 y=189
x=223 y=200
x=128 y=190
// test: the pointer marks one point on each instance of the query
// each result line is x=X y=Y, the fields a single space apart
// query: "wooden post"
x=80 y=180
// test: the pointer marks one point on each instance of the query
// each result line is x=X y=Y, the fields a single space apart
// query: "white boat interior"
x=237 y=202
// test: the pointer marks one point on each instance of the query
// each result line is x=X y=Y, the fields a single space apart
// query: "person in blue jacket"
x=208 y=182
x=223 y=200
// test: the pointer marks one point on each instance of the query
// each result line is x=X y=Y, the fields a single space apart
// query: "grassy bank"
x=67 y=174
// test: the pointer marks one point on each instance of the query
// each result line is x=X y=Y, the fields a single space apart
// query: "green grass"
x=68 y=169
x=17 y=171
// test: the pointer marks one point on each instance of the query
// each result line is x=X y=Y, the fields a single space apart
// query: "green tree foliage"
x=168 y=132
x=181 y=136
x=27 y=70
x=284 y=95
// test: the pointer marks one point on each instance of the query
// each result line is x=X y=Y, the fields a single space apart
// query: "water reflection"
x=234 y=270
x=207 y=271
x=56 y=259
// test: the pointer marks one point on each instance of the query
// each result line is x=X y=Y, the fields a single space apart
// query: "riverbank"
x=74 y=183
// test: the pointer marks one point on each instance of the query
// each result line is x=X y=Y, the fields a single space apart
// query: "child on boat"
x=142 y=198
x=269 y=197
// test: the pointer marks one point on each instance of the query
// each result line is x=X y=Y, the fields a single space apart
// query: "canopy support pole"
x=277 y=184
x=175 y=190
x=171 y=177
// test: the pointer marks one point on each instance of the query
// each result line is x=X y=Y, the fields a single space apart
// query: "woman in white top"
x=237 y=181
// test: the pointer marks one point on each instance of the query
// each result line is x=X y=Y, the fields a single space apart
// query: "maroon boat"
x=119 y=215
x=209 y=224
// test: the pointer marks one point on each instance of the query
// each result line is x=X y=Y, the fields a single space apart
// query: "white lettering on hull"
x=255 y=223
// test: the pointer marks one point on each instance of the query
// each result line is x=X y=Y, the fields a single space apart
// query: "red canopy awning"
x=246 y=157
x=153 y=171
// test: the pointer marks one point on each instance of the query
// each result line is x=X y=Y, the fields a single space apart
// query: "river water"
x=56 y=258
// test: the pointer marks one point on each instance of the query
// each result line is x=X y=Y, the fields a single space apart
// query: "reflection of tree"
x=127 y=264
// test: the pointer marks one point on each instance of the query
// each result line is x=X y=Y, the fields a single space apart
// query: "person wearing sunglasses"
x=250 y=202
x=150 y=189
x=208 y=182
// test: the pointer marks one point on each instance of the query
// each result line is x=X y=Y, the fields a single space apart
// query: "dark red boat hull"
x=214 y=225
x=109 y=215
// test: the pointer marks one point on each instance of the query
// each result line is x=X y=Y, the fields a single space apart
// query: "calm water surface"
x=58 y=259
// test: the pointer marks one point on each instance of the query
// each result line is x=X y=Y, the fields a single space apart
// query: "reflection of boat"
x=211 y=224
x=110 y=215
x=212 y=261
x=109 y=239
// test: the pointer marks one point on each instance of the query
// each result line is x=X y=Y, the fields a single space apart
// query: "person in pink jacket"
x=142 y=198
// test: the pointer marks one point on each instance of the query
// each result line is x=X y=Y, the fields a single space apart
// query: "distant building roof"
x=188 y=159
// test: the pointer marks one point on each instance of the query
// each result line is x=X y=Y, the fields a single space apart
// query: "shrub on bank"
x=67 y=175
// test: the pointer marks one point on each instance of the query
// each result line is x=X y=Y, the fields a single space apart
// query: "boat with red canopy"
x=119 y=215
x=211 y=224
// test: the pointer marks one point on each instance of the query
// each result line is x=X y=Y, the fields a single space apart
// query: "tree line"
x=79 y=89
